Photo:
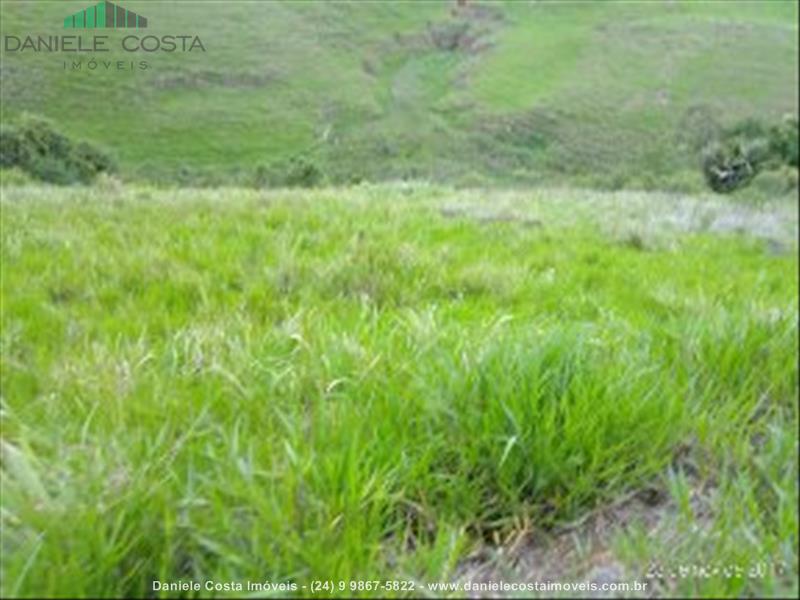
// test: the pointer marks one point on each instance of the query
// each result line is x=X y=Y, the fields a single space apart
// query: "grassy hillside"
x=392 y=383
x=601 y=93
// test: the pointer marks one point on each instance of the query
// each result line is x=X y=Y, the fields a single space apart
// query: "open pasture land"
x=600 y=94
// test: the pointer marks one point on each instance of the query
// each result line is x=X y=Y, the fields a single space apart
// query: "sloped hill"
x=602 y=93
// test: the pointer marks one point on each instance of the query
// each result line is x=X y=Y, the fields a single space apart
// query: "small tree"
x=726 y=168
x=38 y=148
x=740 y=152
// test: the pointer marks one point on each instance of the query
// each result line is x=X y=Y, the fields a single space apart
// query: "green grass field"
x=517 y=92
x=393 y=382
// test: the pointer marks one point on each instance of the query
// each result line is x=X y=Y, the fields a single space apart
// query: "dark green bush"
x=38 y=148
x=727 y=167
x=784 y=140
x=303 y=173
x=740 y=152
x=298 y=171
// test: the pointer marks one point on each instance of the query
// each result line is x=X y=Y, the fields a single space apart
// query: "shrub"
x=262 y=176
x=35 y=146
x=303 y=173
x=740 y=152
x=727 y=167
x=783 y=141
x=299 y=171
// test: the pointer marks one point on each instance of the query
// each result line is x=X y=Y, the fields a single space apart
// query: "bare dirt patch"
x=582 y=551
